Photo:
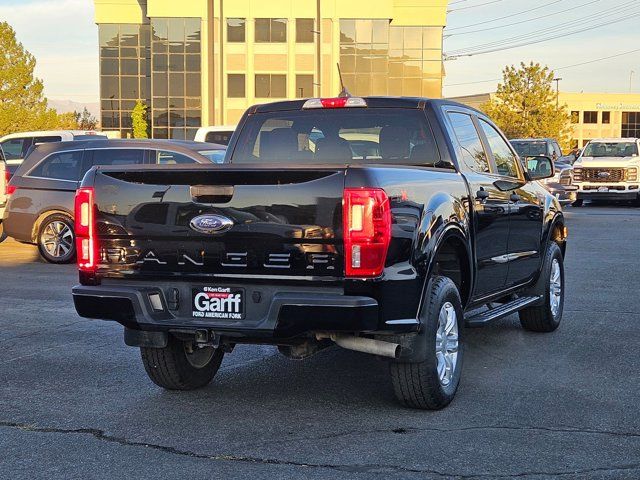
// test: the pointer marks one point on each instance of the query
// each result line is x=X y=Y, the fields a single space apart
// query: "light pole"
x=557 y=80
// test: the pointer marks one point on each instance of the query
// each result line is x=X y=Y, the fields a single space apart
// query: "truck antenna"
x=344 y=92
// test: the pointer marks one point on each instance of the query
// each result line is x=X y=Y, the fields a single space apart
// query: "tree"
x=85 y=120
x=525 y=105
x=139 y=120
x=67 y=121
x=22 y=105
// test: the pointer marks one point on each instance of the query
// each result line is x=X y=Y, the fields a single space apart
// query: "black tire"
x=418 y=384
x=542 y=318
x=577 y=203
x=3 y=236
x=173 y=368
x=57 y=256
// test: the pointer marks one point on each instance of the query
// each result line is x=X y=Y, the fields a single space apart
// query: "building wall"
x=253 y=51
x=593 y=115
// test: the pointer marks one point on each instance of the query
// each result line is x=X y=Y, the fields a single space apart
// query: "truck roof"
x=373 y=102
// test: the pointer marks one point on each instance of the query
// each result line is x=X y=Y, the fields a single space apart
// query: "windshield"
x=611 y=149
x=530 y=149
x=338 y=136
x=216 y=156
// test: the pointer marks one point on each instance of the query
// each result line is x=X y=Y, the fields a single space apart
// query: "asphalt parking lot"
x=75 y=401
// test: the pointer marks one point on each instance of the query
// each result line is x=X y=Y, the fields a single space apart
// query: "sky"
x=63 y=38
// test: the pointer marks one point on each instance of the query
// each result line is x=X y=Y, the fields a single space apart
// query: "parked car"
x=220 y=134
x=390 y=254
x=40 y=207
x=16 y=145
x=4 y=182
x=534 y=147
x=607 y=169
x=560 y=184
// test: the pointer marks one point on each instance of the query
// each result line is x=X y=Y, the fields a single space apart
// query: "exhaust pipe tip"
x=364 y=345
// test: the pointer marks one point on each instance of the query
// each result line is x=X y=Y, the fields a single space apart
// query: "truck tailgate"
x=228 y=221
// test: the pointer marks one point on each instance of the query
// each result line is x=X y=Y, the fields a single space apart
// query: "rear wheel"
x=432 y=383
x=181 y=365
x=547 y=317
x=56 y=240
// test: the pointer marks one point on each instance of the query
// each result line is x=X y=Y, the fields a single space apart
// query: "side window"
x=506 y=161
x=163 y=157
x=60 y=166
x=13 y=148
x=118 y=156
x=557 y=150
x=473 y=154
x=48 y=139
x=221 y=138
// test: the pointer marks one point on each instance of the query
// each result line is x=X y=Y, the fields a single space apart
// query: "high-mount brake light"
x=366 y=214
x=337 y=102
x=85 y=229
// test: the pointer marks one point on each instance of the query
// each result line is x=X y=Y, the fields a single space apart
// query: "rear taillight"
x=85 y=229
x=367 y=231
x=8 y=189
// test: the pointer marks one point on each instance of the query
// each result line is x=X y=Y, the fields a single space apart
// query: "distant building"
x=203 y=62
x=593 y=115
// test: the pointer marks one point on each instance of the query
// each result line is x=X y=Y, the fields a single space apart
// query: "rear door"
x=525 y=208
x=489 y=203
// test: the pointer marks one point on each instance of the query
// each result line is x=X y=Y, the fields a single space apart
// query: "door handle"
x=482 y=194
x=515 y=198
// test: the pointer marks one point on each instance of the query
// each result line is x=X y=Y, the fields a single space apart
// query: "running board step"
x=481 y=319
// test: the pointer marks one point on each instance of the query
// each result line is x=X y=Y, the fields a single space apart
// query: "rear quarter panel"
x=426 y=204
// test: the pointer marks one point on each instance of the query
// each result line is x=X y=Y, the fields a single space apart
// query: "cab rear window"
x=338 y=136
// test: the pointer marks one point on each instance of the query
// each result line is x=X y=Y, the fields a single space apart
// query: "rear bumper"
x=271 y=315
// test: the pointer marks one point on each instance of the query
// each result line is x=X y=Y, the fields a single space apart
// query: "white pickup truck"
x=607 y=169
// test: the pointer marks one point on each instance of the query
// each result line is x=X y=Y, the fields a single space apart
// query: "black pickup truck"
x=383 y=225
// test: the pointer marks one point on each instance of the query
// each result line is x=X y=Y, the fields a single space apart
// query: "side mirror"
x=540 y=168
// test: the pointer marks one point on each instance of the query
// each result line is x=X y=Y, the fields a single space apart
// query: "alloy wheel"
x=447 y=343
x=57 y=239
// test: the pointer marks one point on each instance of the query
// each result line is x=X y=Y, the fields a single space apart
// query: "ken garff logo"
x=211 y=224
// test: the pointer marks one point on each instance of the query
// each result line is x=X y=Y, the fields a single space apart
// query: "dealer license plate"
x=603 y=189
x=218 y=302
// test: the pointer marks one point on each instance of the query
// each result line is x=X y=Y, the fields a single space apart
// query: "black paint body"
x=285 y=248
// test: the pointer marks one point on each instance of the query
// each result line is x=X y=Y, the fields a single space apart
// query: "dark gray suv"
x=42 y=190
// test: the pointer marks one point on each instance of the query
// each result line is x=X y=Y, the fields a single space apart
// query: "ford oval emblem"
x=211 y=224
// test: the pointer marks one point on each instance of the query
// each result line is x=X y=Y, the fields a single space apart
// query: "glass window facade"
x=271 y=30
x=590 y=117
x=379 y=59
x=304 y=86
x=235 y=85
x=304 y=30
x=630 y=124
x=236 y=28
x=269 y=85
x=124 y=73
x=176 y=77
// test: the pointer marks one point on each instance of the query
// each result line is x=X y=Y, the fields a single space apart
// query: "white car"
x=219 y=134
x=607 y=169
x=16 y=145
